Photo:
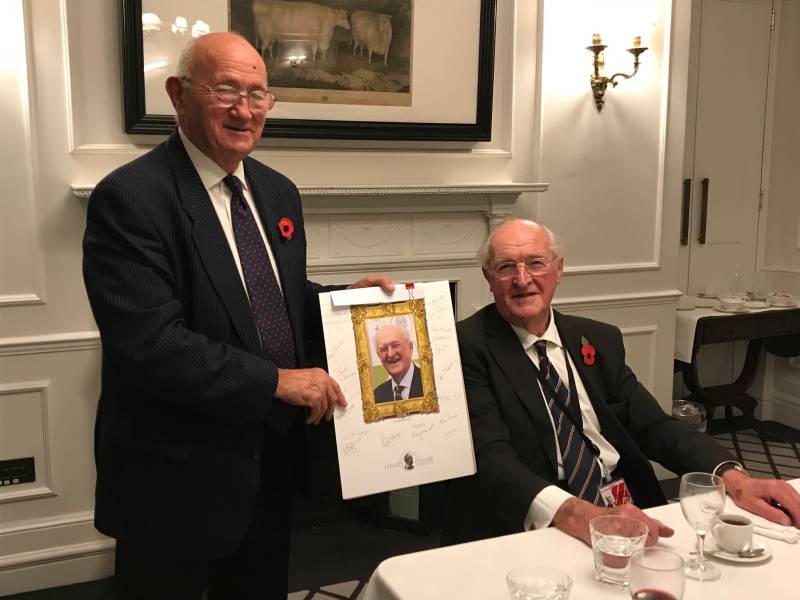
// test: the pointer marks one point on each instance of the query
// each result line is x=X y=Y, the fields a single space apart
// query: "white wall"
x=614 y=198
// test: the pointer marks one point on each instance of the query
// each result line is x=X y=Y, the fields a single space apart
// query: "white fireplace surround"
x=409 y=232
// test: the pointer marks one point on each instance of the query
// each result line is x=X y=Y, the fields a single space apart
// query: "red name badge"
x=616 y=493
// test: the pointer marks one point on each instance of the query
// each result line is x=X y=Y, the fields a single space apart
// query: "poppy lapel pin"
x=286 y=227
x=587 y=351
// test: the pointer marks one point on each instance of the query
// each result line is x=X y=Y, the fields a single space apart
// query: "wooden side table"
x=757 y=327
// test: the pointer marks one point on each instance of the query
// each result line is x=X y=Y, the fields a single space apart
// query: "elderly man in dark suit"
x=559 y=422
x=195 y=267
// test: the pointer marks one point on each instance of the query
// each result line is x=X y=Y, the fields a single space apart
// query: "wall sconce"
x=600 y=82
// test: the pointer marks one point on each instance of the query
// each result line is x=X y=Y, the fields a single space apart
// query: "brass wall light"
x=599 y=82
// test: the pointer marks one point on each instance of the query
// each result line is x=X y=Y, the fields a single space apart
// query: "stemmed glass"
x=702 y=497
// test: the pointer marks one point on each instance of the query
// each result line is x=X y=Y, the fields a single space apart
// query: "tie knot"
x=233 y=183
x=541 y=348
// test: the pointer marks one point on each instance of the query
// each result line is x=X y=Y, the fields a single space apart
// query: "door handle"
x=687 y=192
x=704 y=211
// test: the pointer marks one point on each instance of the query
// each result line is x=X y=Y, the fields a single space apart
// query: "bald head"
x=519 y=228
x=226 y=134
x=199 y=53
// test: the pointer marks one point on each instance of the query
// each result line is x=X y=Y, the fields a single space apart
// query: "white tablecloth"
x=477 y=570
x=686 y=324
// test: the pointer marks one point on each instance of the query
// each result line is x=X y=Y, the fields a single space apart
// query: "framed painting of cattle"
x=340 y=69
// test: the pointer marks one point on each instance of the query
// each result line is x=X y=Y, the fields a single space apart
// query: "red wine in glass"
x=648 y=594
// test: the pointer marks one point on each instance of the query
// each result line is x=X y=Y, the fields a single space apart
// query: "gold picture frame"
x=373 y=411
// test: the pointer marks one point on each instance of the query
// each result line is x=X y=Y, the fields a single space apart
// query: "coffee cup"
x=732 y=302
x=780 y=298
x=733 y=533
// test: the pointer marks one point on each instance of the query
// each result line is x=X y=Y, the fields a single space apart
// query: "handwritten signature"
x=420 y=433
x=389 y=440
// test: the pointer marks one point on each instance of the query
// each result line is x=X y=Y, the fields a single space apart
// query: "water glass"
x=533 y=582
x=614 y=539
x=656 y=574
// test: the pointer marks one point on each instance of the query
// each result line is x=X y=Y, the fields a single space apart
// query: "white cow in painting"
x=372 y=31
x=276 y=20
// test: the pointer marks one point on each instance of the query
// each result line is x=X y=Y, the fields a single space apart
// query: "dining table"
x=477 y=570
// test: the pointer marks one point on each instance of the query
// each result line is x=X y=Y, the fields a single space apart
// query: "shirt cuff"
x=544 y=507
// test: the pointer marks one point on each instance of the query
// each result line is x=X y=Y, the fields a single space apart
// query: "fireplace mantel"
x=416 y=232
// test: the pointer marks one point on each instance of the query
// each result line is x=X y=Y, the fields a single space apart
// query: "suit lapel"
x=212 y=246
x=512 y=359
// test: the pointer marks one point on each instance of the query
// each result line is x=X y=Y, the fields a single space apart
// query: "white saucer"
x=733 y=311
x=756 y=304
x=791 y=304
x=712 y=550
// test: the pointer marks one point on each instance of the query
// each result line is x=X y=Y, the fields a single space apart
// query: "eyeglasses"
x=226 y=96
x=535 y=265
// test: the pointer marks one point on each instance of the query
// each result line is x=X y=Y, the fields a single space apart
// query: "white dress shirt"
x=549 y=500
x=211 y=174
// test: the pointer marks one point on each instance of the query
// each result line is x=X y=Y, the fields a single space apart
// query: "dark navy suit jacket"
x=513 y=436
x=187 y=403
x=385 y=391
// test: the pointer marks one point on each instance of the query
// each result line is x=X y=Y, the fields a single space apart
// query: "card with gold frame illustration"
x=406 y=320
x=396 y=360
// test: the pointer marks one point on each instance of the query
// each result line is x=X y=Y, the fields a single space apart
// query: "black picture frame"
x=139 y=121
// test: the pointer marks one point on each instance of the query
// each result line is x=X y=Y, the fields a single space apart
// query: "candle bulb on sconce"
x=599 y=82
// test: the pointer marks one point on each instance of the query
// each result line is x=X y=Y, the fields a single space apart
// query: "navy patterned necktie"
x=580 y=466
x=266 y=299
x=398 y=392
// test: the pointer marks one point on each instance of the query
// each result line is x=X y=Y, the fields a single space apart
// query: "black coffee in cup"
x=735 y=521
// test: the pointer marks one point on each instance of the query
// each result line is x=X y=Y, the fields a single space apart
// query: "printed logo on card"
x=408 y=461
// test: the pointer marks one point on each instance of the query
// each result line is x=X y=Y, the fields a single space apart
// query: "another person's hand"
x=312 y=388
x=374 y=280
x=759 y=496
x=574 y=515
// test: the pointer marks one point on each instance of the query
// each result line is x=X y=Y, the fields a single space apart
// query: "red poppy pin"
x=587 y=351
x=286 y=227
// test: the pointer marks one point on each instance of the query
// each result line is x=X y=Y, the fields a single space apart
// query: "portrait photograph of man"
x=394 y=344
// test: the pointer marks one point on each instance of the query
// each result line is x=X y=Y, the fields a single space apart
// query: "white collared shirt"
x=211 y=174
x=549 y=500
x=405 y=382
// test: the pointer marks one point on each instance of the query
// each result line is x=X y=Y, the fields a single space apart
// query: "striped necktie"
x=580 y=466
x=266 y=299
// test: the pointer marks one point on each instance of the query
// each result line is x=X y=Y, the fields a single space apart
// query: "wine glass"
x=702 y=497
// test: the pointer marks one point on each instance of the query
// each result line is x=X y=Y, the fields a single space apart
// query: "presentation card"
x=397 y=362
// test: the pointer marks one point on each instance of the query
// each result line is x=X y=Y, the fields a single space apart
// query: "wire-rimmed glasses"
x=702 y=497
x=534 y=265
x=226 y=96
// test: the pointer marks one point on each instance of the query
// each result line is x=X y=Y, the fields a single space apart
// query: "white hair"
x=485 y=254
x=399 y=324
x=185 y=59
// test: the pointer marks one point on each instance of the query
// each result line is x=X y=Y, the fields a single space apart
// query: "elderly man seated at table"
x=562 y=428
